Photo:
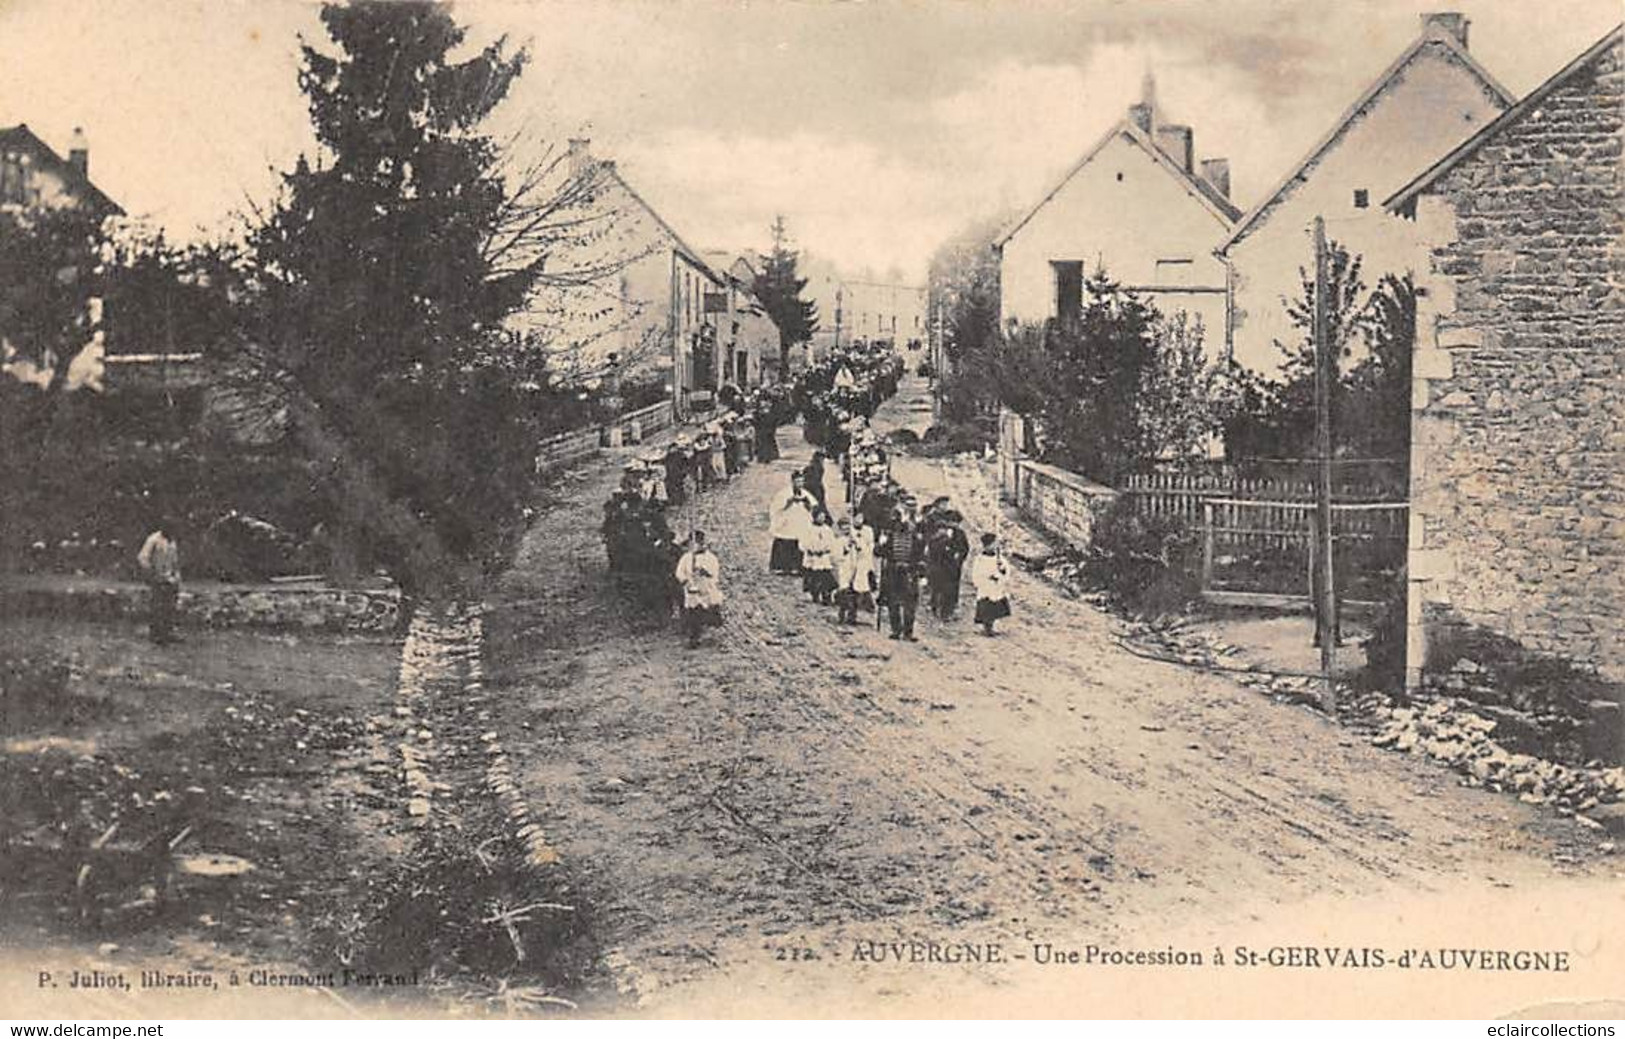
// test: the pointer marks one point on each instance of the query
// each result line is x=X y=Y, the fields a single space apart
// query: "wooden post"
x=1207 y=545
x=1325 y=374
x=1312 y=572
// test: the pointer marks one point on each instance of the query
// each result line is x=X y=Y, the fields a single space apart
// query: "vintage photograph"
x=579 y=509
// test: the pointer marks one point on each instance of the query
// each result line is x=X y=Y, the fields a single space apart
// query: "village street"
x=749 y=814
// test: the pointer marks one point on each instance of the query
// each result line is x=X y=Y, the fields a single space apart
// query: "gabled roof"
x=1204 y=192
x=725 y=263
x=682 y=247
x=20 y=136
x=1533 y=99
x=1371 y=95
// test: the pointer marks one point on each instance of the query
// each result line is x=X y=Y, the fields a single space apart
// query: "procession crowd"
x=866 y=554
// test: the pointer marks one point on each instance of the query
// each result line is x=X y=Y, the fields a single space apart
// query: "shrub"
x=1385 y=649
x=1144 y=564
x=952 y=438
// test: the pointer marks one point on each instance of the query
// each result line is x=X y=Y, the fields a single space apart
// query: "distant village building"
x=34 y=176
x=884 y=312
x=745 y=334
x=862 y=307
x=1431 y=98
x=826 y=287
x=1517 y=482
x=1137 y=206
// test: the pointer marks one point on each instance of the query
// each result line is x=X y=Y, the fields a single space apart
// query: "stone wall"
x=272 y=607
x=1063 y=504
x=567 y=449
x=1518 y=448
x=578 y=445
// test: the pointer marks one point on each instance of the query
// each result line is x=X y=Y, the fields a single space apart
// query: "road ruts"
x=793 y=781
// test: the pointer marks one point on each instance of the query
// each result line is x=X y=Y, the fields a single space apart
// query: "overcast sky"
x=878 y=128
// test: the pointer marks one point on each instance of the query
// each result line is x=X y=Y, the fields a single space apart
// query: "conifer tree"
x=779 y=287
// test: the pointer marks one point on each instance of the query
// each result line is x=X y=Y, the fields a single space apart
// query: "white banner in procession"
x=1550 y=1028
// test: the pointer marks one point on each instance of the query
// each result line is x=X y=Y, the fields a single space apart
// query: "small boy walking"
x=988 y=575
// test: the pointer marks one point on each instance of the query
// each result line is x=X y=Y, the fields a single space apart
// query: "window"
x=1068 y=289
x=14 y=179
x=1362 y=198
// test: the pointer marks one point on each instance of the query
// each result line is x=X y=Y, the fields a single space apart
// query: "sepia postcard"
x=795 y=509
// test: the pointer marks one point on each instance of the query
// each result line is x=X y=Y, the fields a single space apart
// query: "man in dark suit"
x=902 y=554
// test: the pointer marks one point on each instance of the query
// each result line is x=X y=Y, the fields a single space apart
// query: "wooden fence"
x=1257 y=532
x=1180 y=495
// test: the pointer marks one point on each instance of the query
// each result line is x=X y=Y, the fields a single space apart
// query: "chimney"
x=1175 y=141
x=1446 y=23
x=79 y=151
x=1217 y=173
x=579 y=157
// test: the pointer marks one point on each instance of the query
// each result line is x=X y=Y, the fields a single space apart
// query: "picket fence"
x=1257 y=531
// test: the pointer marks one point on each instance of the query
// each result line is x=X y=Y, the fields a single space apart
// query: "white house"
x=1137 y=206
x=640 y=306
x=1430 y=99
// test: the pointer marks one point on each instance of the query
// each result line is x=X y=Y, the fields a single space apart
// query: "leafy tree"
x=1373 y=334
x=1118 y=390
x=1184 y=401
x=1093 y=410
x=1285 y=426
x=162 y=298
x=52 y=278
x=779 y=287
x=1377 y=391
x=1081 y=380
x=963 y=287
x=74 y=287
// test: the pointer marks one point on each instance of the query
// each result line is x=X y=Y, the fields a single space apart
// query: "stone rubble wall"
x=1518 y=443
x=1064 y=504
x=291 y=608
x=578 y=445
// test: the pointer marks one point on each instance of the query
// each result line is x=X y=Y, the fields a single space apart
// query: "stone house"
x=1429 y=99
x=1517 y=522
x=1137 y=205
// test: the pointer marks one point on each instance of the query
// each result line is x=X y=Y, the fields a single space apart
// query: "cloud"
x=878 y=128
x=840 y=197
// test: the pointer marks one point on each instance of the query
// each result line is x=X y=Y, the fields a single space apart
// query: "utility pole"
x=1325 y=375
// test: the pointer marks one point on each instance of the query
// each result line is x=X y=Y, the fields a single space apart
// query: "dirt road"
x=751 y=814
